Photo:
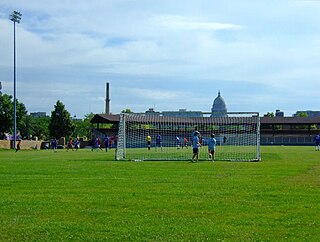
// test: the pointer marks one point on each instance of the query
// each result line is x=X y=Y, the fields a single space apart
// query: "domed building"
x=219 y=107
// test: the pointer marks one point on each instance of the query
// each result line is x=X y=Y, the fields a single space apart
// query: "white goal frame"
x=237 y=135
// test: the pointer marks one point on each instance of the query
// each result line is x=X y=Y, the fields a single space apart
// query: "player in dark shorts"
x=196 y=145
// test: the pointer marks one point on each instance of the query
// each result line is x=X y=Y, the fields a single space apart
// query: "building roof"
x=289 y=120
x=105 y=118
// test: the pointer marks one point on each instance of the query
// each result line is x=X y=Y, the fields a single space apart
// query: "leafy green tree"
x=127 y=110
x=27 y=128
x=270 y=114
x=36 y=126
x=82 y=128
x=6 y=114
x=60 y=123
x=301 y=114
x=40 y=127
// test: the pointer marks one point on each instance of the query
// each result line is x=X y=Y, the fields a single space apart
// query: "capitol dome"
x=219 y=107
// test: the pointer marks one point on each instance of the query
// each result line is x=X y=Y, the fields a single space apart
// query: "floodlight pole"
x=15 y=17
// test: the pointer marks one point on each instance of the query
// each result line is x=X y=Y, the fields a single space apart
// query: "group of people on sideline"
x=95 y=143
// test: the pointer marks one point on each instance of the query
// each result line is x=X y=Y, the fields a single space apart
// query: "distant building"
x=219 y=107
x=279 y=113
x=38 y=114
x=311 y=114
x=152 y=112
x=182 y=113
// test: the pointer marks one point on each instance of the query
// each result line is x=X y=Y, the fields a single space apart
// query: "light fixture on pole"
x=15 y=17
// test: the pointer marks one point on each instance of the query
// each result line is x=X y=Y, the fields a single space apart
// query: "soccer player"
x=185 y=142
x=97 y=144
x=106 y=143
x=316 y=141
x=211 y=147
x=77 y=144
x=54 y=144
x=110 y=142
x=148 y=141
x=196 y=145
x=193 y=133
x=116 y=141
x=18 y=138
x=70 y=145
x=159 y=141
x=178 y=142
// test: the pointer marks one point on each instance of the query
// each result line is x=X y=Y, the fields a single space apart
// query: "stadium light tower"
x=15 y=17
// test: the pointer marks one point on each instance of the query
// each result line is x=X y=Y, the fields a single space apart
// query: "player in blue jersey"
x=195 y=145
x=159 y=141
x=178 y=142
x=77 y=144
x=212 y=147
x=316 y=141
x=106 y=142
x=54 y=144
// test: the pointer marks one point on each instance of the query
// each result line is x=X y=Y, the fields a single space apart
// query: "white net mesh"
x=237 y=137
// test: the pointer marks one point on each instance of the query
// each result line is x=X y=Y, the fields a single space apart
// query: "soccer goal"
x=158 y=137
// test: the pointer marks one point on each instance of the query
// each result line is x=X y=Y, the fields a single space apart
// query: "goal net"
x=158 y=137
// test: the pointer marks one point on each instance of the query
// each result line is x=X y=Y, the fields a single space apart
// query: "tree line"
x=59 y=124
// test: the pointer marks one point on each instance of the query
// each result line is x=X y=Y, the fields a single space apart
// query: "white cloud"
x=152 y=94
x=176 y=22
x=169 y=44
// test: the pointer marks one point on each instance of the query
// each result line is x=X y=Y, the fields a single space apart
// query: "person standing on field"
x=196 y=145
x=106 y=143
x=77 y=144
x=54 y=144
x=159 y=141
x=148 y=141
x=97 y=143
x=185 y=142
x=178 y=142
x=70 y=145
x=211 y=147
x=18 y=138
x=316 y=141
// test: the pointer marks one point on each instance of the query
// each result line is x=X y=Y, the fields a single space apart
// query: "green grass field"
x=227 y=152
x=85 y=195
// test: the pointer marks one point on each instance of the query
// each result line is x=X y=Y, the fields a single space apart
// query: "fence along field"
x=86 y=195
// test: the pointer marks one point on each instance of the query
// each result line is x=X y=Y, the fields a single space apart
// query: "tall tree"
x=6 y=114
x=60 y=123
x=40 y=127
x=6 y=111
x=82 y=128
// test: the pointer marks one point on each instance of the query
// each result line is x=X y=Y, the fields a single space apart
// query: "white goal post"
x=170 y=138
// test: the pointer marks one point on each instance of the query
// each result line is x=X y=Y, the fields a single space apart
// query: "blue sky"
x=169 y=54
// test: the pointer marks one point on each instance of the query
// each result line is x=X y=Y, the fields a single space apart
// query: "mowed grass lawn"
x=85 y=195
